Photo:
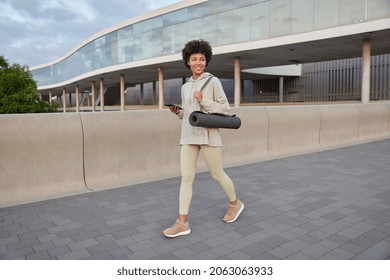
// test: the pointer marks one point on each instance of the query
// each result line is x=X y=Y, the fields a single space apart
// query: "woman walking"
x=196 y=56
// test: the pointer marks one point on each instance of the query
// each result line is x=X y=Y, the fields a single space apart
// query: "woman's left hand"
x=198 y=96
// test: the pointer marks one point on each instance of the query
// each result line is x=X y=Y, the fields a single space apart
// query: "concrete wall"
x=52 y=155
x=41 y=156
x=123 y=148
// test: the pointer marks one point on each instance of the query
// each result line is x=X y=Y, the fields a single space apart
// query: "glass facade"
x=221 y=22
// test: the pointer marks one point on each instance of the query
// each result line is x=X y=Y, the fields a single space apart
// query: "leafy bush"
x=18 y=91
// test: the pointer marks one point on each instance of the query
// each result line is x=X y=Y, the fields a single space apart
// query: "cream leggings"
x=213 y=156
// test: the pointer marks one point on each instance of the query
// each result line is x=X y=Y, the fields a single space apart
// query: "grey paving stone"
x=364 y=241
x=43 y=246
x=143 y=255
x=70 y=232
x=255 y=249
x=266 y=256
x=299 y=256
x=329 y=256
x=338 y=239
x=140 y=246
x=316 y=251
x=59 y=250
x=76 y=255
x=289 y=214
x=100 y=256
x=296 y=245
x=342 y=254
x=63 y=241
x=350 y=233
x=352 y=248
x=217 y=241
x=41 y=255
x=17 y=253
x=167 y=256
x=3 y=249
x=8 y=240
x=184 y=253
x=232 y=256
x=363 y=256
x=221 y=251
x=101 y=247
x=83 y=244
x=22 y=244
x=280 y=252
x=120 y=253
x=376 y=254
x=275 y=241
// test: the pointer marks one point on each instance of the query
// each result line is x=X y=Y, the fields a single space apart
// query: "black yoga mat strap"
x=202 y=88
x=205 y=84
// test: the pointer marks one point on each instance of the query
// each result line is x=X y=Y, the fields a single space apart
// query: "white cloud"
x=39 y=31
x=8 y=12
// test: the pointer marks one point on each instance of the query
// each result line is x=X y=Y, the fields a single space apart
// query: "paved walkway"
x=328 y=205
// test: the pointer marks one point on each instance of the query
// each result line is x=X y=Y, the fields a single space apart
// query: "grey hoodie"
x=214 y=101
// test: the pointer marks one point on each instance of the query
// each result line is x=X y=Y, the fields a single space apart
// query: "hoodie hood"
x=201 y=77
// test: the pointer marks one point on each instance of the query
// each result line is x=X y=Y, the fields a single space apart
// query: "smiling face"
x=197 y=63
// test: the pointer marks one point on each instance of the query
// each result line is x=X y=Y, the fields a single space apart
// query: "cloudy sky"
x=33 y=32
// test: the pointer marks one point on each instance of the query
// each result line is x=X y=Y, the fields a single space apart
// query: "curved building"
x=245 y=34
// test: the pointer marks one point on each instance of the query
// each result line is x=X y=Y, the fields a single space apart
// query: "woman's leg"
x=213 y=157
x=188 y=157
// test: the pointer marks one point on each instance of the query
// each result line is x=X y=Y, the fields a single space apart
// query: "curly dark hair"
x=196 y=46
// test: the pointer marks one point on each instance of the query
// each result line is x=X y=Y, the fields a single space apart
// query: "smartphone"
x=171 y=105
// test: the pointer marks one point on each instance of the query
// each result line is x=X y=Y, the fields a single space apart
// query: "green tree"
x=18 y=91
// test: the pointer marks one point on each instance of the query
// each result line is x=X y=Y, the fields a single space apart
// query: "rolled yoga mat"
x=199 y=118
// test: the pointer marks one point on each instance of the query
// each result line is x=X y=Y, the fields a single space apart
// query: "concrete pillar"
x=93 y=91
x=281 y=89
x=64 y=100
x=101 y=94
x=154 y=101
x=50 y=96
x=142 y=94
x=123 y=99
x=366 y=66
x=160 y=88
x=237 y=82
x=77 y=98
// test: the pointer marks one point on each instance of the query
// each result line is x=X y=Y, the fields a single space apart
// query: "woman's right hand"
x=174 y=109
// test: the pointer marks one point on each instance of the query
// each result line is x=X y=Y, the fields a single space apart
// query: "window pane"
x=302 y=17
x=326 y=13
x=175 y=17
x=153 y=23
x=157 y=42
x=280 y=17
x=194 y=29
x=209 y=28
x=352 y=11
x=241 y=23
x=124 y=42
x=260 y=20
x=180 y=36
x=147 y=49
x=378 y=9
x=137 y=47
x=225 y=28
